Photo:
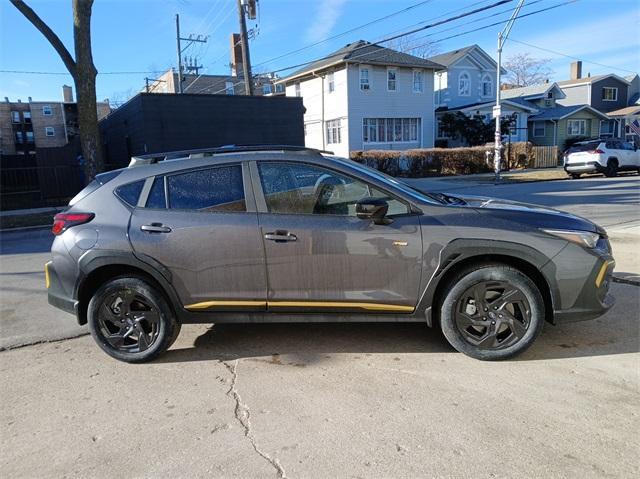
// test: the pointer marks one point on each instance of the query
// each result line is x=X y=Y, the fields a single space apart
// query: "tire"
x=575 y=176
x=131 y=320
x=495 y=331
x=612 y=168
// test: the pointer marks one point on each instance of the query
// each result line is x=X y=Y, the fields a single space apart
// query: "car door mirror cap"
x=374 y=209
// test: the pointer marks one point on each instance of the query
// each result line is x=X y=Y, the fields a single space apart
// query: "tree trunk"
x=84 y=74
x=85 y=81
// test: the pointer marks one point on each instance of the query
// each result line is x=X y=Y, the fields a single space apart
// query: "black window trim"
x=264 y=209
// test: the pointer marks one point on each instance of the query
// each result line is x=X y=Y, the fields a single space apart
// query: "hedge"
x=440 y=161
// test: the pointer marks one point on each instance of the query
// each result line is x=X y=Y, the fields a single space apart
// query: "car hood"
x=532 y=215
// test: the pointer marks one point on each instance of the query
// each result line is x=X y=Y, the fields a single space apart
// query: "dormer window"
x=464 y=84
x=487 y=86
x=550 y=95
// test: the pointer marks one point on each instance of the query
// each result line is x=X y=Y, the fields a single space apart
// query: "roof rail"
x=152 y=158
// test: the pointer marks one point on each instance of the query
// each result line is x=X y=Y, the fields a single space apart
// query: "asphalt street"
x=329 y=400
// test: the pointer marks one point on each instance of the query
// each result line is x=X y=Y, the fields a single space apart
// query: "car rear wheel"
x=575 y=176
x=131 y=320
x=612 y=168
x=492 y=312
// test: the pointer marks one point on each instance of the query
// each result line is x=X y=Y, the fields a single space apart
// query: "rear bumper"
x=584 y=167
x=594 y=299
x=55 y=292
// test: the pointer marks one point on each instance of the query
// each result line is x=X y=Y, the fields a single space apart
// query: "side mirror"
x=374 y=209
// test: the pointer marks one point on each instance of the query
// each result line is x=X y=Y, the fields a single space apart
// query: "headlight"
x=583 y=238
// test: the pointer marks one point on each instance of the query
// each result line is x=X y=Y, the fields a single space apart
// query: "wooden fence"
x=545 y=156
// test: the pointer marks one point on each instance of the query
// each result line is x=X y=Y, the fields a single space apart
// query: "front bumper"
x=594 y=299
x=56 y=295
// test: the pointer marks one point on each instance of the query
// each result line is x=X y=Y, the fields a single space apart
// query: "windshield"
x=405 y=188
x=584 y=147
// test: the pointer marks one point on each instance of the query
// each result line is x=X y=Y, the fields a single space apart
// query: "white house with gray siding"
x=364 y=97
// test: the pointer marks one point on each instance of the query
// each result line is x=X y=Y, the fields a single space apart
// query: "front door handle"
x=280 y=236
x=155 y=228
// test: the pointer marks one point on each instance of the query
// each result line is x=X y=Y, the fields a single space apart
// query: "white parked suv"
x=601 y=156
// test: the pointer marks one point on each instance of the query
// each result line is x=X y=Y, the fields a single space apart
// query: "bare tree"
x=413 y=45
x=83 y=72
x=524 y=70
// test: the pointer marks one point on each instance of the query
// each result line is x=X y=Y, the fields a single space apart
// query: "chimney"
x=575 y=71
x=30 y=100
x=236 y=55
x=67 y=94
x=6 y=98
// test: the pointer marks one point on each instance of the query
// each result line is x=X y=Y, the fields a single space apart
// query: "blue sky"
x=139 y=36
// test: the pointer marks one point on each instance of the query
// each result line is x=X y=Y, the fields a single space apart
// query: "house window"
x=26 y=115
x=539 y=129
x=440 y=133
x=390 y=130
x=609 y=94
x=46 y=110
x=364 y=79
x=331 y=83
x=464 y=84
x=576 y=127
x=49 y=131
x=228 y=88
x=391 y=79
x=19 y=137
x=334 y=131
x=266 y=89
x=418 y=81
x=548 y=102
x=29 y=135
x=279 y=88
x=608 y=128
x=297 y=89
x=487 y=86
x=550 y=95
x=15 y=116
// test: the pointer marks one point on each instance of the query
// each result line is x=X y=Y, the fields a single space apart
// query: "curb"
x=632 y=282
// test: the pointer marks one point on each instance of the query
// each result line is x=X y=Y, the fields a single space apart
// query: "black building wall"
x=158 y=122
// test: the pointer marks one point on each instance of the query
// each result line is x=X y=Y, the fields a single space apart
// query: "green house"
x=554 y=126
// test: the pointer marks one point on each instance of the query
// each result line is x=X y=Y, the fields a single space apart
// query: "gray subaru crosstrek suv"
x=279 y=234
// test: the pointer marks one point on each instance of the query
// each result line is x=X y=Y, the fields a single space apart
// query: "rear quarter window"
x=130 y=193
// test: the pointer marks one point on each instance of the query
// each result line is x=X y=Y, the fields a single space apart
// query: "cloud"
x=328 y=13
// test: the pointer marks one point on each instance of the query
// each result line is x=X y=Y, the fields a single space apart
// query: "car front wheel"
x=130 y=320
x=492 y=312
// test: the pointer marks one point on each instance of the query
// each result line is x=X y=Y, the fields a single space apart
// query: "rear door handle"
x=155 y=228
x=280 y=236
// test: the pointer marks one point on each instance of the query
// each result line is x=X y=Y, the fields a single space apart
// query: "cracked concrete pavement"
x=323 y=400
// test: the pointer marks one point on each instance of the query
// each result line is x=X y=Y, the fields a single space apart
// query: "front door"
x=206 y=235
x=321 y=256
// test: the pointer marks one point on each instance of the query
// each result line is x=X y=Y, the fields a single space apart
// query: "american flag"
x=635 y=127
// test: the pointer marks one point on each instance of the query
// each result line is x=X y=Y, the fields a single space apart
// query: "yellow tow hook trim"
x=603 y=271
x=47 y=281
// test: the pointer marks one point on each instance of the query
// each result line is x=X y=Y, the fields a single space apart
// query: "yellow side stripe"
x=602 y=272
x=300 y=304
x=47 y=281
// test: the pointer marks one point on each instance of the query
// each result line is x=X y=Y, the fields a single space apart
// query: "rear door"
x=203 y=226
x=320 y=256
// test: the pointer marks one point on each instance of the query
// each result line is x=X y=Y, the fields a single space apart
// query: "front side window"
x=464 y=84
x=364 y=79
x=391 y=79
x=49 y=131
x=214 y=190
x=539 y=128
x=298 y=188
x=228 y=88
x=576 y=127
x=15 y=116
x=609 y=94
x=46 y=110
x=487 y=86
x=418 y=81
x=334 y=131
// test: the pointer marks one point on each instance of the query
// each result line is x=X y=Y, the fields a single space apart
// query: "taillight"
x=598 y=152
x=64 y=221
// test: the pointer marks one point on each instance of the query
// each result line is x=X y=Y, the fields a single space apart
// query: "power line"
x=569 y=56
x=24 y=72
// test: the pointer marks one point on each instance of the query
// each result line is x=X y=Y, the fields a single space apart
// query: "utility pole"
x=497 y=110
x=154 y=80
x=246 y=59
x=179 y=50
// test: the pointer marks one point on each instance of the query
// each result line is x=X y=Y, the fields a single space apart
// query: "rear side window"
x=217 y=189
x=156 y=194
x=584 y=147
x=130 y=193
